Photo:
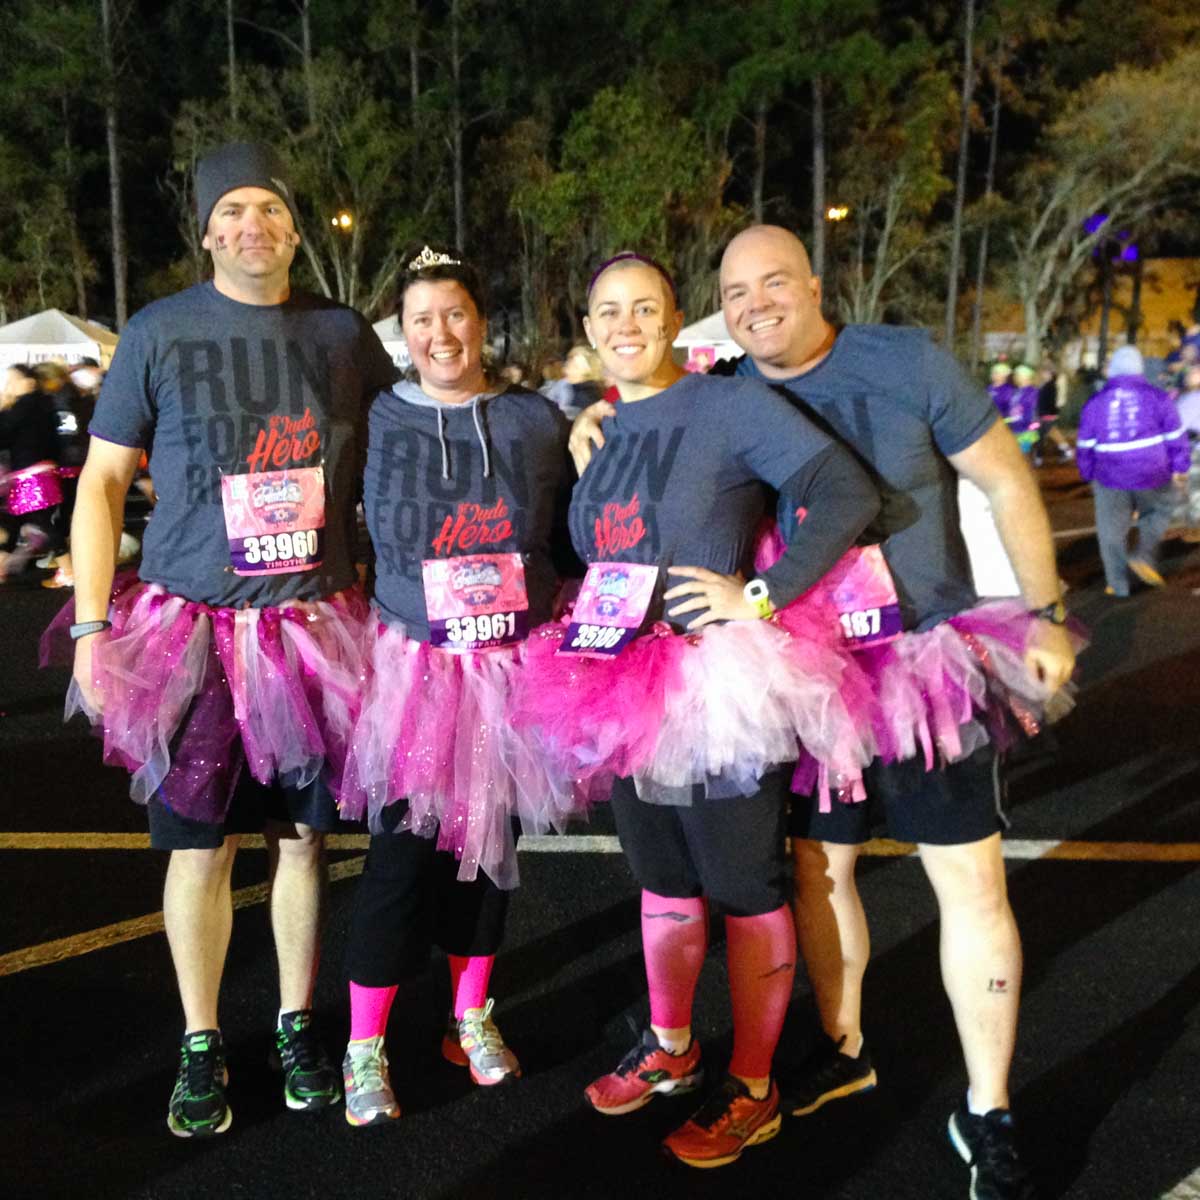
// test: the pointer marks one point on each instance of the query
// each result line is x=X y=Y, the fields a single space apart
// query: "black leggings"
x=730 y=850
x=408 y=900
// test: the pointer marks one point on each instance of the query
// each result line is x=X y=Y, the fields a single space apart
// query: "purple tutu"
x=435 y=730
x=190 y=692
x=33 y=489
x=720 y=707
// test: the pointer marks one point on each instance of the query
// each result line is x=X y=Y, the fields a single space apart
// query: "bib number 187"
x=865 y=622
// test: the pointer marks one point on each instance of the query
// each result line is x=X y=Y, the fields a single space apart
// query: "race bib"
x=610 y=610
x=275 y=520
x=861 y=589
x=476 y=602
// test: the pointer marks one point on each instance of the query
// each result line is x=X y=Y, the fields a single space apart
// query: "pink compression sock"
x=469 y=979
x=762 y=964
x=369 y=1008
x=674 y=942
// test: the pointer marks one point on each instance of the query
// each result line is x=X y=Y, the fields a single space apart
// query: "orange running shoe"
x=724 y=1125
x=645 y=1072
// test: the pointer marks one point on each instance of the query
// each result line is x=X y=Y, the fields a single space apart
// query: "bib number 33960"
x=275 y=520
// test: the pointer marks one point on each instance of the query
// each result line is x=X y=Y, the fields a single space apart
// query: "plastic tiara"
x=431 y=258
x=633 y=256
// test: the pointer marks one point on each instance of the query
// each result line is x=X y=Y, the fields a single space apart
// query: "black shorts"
x=252 y=806
x=952 y=806
x=730 y=850
x=409 y=899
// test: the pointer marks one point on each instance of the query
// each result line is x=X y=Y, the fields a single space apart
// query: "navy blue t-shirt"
x=452 y=480
x=902 y=405
x=213 y=387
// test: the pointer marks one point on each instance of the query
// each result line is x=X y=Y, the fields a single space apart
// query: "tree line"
x=1008 y=144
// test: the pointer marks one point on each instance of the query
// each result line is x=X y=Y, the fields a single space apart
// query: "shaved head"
x=772 y=301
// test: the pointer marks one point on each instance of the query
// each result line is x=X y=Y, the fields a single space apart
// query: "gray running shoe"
x=490 y=1060
x=369 y=1096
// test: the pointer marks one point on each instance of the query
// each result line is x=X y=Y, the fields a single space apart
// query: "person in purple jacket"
x=1000 y=388
x=1133 y=449
x=1021 y=415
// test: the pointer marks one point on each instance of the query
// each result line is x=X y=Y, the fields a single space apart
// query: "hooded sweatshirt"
x=1130 y=436
x=450 y=480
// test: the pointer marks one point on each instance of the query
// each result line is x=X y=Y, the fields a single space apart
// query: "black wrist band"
x=86 y=627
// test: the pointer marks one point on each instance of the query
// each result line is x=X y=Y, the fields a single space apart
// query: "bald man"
x=917 y=422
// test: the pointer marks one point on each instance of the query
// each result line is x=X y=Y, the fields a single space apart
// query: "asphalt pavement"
x=1103 y=876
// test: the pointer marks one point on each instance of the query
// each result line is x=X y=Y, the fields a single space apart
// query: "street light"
x=837 y=212
x=344 y=221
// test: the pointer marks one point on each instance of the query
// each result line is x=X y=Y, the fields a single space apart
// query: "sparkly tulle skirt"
x=188 y=692
x=436 y=730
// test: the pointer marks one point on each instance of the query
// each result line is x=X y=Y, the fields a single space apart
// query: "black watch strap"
x=86 y=627
x=1055 y=613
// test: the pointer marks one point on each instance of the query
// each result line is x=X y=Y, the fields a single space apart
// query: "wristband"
x=1055 y=613
x=756 y=594
x=86 y=627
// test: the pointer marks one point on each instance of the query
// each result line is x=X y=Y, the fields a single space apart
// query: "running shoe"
x=724 y=1125
x=309 y=1078
x=452 y=1052
x=369 y=1096
x=645 y=1072
x=1146 y=573
x=988 y=1146
x=198 y=1107
x=481 y=1048
x=47 y=562
x=828 y=1074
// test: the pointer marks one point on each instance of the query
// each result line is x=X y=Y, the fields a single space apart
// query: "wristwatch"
x=756 y=594
x=1055 y=613
x=86 y=627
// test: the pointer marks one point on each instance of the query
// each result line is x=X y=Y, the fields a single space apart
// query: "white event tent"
x=709 y=334
x=55 y=335
x=389 y=333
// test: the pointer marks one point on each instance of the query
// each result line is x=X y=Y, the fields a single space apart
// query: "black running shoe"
x=988 y=1146
x=198 y=1107
x=310 y=1080
x=828 y=1074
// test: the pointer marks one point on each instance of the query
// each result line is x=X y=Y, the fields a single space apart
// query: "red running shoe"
x=645 y=1072
x=724 y=1125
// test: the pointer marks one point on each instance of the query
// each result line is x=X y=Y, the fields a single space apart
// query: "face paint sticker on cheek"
x=221 y=241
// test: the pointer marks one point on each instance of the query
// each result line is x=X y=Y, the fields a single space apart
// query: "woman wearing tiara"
x=463 y=486
x=698 y=715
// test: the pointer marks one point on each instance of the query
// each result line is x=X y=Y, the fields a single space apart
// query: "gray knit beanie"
x=237 y=165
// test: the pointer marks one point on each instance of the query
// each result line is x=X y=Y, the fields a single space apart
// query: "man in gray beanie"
x=1133 y=449
x=239 y=631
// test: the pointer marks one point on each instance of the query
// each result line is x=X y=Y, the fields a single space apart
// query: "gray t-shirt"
x=680 y=481
x=902 y=405
x=455 y=480
x=213 y=387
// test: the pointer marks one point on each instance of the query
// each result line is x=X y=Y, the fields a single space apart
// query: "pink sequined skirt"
x=33 y=489
x=435 y=730
x=190 y=693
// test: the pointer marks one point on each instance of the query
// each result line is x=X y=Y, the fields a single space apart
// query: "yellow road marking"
x=136 y=927
x=1016 y=849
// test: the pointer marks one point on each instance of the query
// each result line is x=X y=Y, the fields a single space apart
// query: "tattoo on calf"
x=998 y=987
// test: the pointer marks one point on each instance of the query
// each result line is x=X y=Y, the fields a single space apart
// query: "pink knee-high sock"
x=762 y=964
x=674 y=942
x=469 y=979
x=369 y=1008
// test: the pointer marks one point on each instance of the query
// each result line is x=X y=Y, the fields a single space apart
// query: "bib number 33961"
x=476 y=602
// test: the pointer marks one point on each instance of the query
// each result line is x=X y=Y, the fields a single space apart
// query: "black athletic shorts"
x=953 y=806
x=252 y=806
x=730 y=850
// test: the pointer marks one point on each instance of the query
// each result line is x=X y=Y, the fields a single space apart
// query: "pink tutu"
x=188 y=690
x=33 y=489
x=727 y=704
x=435 y=730
x=942 y=693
